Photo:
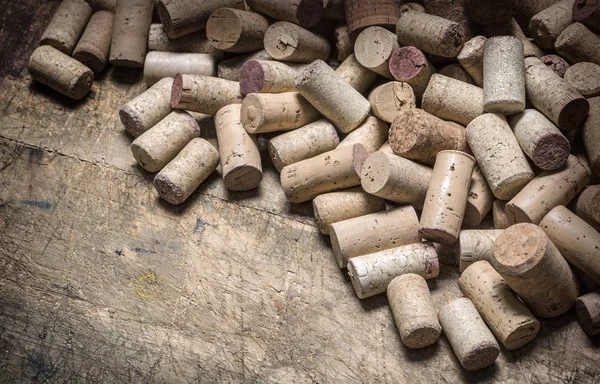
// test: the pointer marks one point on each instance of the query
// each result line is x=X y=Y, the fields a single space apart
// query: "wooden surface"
x=101 y=282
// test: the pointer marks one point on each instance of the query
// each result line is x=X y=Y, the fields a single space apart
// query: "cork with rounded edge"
x=471 y=58
x=66 y=25
x=590 y=132
x=577 y=44
x=289 y=42
x=585 y=78
x=455 y=11
x=204 y=94
x=371 y=133
x=547 y=25
x=230 y=69
x=93 y=47
x=587 y=207
x=556 y=63
x=305 y=13
x=159 y=65
x=432 y=34
x=451 y=99
x=588 y=313
x=145 y=110
x=359 y=77
x=480 y=199
x=390 y=99
x=267 y=76
x=195 y=42
x=499 y=215
x=361 y=14
x=374 y=47
x=235 y=30
x=527 y=9
x=490 y=12
x=343 y=45
x=456 y=71
x=587 y=12
x=475 y=245
x=130 y=33
x=410 y=65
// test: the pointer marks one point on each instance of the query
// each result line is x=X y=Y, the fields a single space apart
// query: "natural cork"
x=577 y=44
x=430 y=33
x=204 y=94
x=159 y=65
x=471 y=58
x=343 y=46
x=547 y=25
x=455 y=11
x=373 y=49
x=67 y=25
x=130 y=33
x=499 y=216
x=556 y=63
x=148 y=108
x=512 y=28
x=372 y=133
x=235 y=30
x=456 y=71
x=527 y=9
x=94 y=46
x=195 y=42
x=490 y=12
x=359 y=77
x=475 y=245
x=288 y=42
x=410 y=65
x=305 y=13
x=591 y=135
x=390 y=99
x=102 y=5
x=587 y=12
x=231 y=69
x=361 y=14
x=266 y=76
x=588 y=313
x=479 y=202
x=585 y=78
x=587 y=207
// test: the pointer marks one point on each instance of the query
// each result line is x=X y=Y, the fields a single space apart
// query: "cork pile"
x=446 y=112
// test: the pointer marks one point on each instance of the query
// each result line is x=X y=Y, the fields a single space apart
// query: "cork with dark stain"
x=453 y=10
x=490 y=12
x=556 y=63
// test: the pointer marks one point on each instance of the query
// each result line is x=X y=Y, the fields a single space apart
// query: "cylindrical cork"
x=156 y=147
x=180 y=178
x=195 y=42
x=499 y=156
x=503 y=75
x=490 y=12
x=270 y=112
x=548 y=190
x=527 y=9
x=230 y=69
x=532 y=266
x=371 y=133
x=471 y=58
x=587 y=206
x=454 y=100
x=473 y=343
x=456 y=71
x=446 y=200
x=499 y=215
x=102 y=5
x=361 y=14
x=268 y=76
x=512 y=28
x=305 y=13
x=148 y=108
x=159 y=65
x=235 y=30
x=324 y=88
x=342 y=205
x=577 y=43
x=588 y=313
x=359 y=77
x=475 y=245
x=508 y=318
x=412 y=307
x=390 y=99
x=556 y=63
x=547 y=25
x=327 y=172
x=288 y=42
x=455 y=11
x=585 y=78
x=479 y=202
x=67 y=25
x=371 y=274
x=240 y=159
x=373 y=49
x=576 y=240
x=303 y=143
x=204 y=94
x=343 y=46
x=410 y=65
x=182 y=17
x=587 y=12
x=130 y=33
x=94 y=46
x=430 y=33
x=591 y=135
x=60 y=72
x=418 y=135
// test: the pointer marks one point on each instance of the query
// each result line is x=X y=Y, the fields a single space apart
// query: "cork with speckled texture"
x=355 y=74
x=587 y=207
x=471 y=58
x=588 y=312
x=374 y=47
x=93 y=47
x=372 y=133
x=475 y=245
x=159 y=65
x=67 y=25
x=130 y=33
x=390 y=99
x=235 y=30
x=409 y=65
x=547 y=25
x=557 y=63
x=204 y=94
x=430 y=33
x=289 y=42
x=585 y=78
x=148 y=108
x=577 y=44
x=452 y=99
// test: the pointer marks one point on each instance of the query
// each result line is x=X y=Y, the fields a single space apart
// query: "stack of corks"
x=406 y=125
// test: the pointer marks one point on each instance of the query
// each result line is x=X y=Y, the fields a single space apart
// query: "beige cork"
x=130 y=33
x=587 y=206
x=390 y=99
x=241 y=167
x=587 y=12
x=547 y=25
x=159 y=65
x=429 y=33
x=413 y=310
x=359 y=77
x=585 y=78
x=490 y=12
x=102 y=5
x=590 y=132
x=588 y=313
x=512 y=28
x=499 y=156
x=479 y=202
x=180 y=178
x=471 y=58
x=386 y=148
x=204 y=94
x=456 y=71
x=66 y=25
x=231 y=69
x=327 y=172
x=473 y=343
x=410 y=65
x=578 y=44
x=475 y=245
x=366 y=13
x=373 y=49
x=235 y=30
x=506 y=316
x=455 y=11
x=195 y=42
x=372 y=273
x=371 y=133
x=343 y=46
x=372 y=233
x=305 y=13
x=342 y=205
x=94 y=46
x=267 y=76
x=148 y=108
x=556 y=63
x=499 y=216
x=288 y=42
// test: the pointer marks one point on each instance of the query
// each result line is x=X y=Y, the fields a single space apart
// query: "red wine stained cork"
x=587 y=206
x=235 y=30
x=204 y=94
x=60 y=72
x=180 y=178
x=512 y=28
x=413 y=310
x=102 y=5
x=148 y=108
x=303 y=143
x=479 y=202
x=577 y=43
x=527 y=9
x=508 y=318
x=94 y=46
x=156 y=147
x=431 y=34
x=587 y=12
x=366 y=13
x=556 y=63
x=591 y=135
x=446 y=200
x=390 y=99
x=288 y=42
x=455 y=11
x=548 y=190
x=240 y=159
x=305 y=13
x=585 y=78
x=231 y=69
x=532 y=266
x=182 y=17
x=67 y=25
x=159 y=65
x=268 y=76
x=327 y=172
x=130 y=33
x=195 y=42
x=588 y=313
x=343 y=45
x=471 y=58
x=342 y=205
x=371 y=133
x=475 y=245
x=271 y=112
x=418 y=135
x=373 y=49
x=499 y=215
x=456 y=71
x=359 y=77
x=547 y=25
x=334 y=10
x=490 y=12
x=410 y=65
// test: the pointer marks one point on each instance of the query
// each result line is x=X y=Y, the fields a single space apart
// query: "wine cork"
x=512 y=28
x=266 y=112
x=396 y=179
x=587 y=207
x=591 y=135
x=490 y=12
x=288 y=42
x=94 y=46
x=587 y=12
x=130 y=33
x=499 y=156
x=327 y=172
x=303 y=143
x=182 y=17
x=102 y=5
x=204 y=94
x=471 y=58
x=475 y=245
x=532 y=266
x=408 y=64
x=412 y=307
x=67 y=25
x=371 y=133
x=418 y=135
x=588 y=313
x=148 y=108
x=156 y=147
x=431 y=34
x=577 y=43
x=268 y=76
x=324 y=88
x=343 y=45
x=195 y=42
x=231 y=69
x=241 y=167
x=547 y=25
x=455 y=11
x=342 y=205
x=235 y=30
x=479 y=202
x=373 y=49
x=556 y=63
x=305 y=13
x=385 y=148
x=454 y=100
x=334 y=10
x=585 y=78
x=503 y=75
x=180 y=178
x=359 y=77
x=446 y=201
x=508 y=318
x=473 y=343
x=527 y=9
x=456 y=71
x=60 y=72
x=548 y=190
x=159 y=65
x=361 y=14
x=390 y=99
x=501 y=221
x=372 y=273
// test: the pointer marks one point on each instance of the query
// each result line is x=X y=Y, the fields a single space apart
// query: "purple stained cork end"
x=168 y=190
x=252 y=77
x=551 y=152
x=406 y=63
x=176 y=90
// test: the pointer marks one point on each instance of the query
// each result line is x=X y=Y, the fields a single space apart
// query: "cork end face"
x=406 y=63
x=584 y=316
x=522 y=335
x=573 y=114
x=551 y=152
x=438 y=235
x=481 y=357
x=509 y=188
x=472 y=49
x=168 y=191
x=375 y=173
x=90 y=60
x=519 y=248
x=337 y=251
x=309 y=12
x=322 y=225
x=176 y=90
x=252 y=77
x=421 y=337
x=243 y=178
x=275 y=157
x=556 y=63
x=452 y=41
x=280 y=42
x=131 y=121
x=312 y=69
x=359 y=156
x=252 y=114
x=355 y=280
x=584 y=9
x=165 y=19
x=404 y=132
x=82 y=85
x=224 y=28
x=144 y=158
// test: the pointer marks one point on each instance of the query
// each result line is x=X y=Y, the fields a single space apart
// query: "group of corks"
x=494 y=106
